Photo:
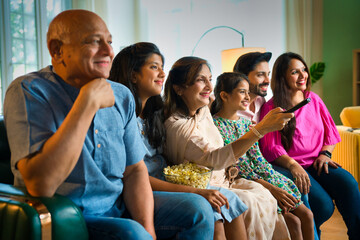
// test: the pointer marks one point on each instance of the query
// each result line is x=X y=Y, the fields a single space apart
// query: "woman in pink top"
x=302 y=150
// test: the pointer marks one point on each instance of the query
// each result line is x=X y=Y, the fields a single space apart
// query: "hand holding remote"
x=299 y=105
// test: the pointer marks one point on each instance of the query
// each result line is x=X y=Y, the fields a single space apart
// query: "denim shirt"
x=36 y=105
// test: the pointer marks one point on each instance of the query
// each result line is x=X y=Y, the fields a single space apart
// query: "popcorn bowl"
x=189 y=174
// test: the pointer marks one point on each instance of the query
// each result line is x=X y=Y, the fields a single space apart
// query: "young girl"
x=140 y=68
x=231 y=95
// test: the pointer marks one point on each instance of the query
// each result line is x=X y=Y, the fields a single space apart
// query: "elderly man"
x=74 y=133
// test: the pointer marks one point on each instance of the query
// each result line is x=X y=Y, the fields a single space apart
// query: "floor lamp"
x=229 y=56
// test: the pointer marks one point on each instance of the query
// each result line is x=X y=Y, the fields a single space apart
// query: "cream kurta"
x=198 y=140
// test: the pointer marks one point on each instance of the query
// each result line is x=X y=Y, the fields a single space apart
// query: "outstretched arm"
x=273 y=121
x=44 y=171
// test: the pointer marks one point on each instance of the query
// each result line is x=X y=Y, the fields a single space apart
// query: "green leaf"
x=317 y=71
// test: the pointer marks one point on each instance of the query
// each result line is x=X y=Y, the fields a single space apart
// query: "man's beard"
x=256 y=89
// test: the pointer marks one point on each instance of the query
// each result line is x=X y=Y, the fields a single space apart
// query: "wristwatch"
x=326 y=153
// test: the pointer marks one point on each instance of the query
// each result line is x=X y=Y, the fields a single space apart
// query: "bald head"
x=69 y=22
x=79 y=43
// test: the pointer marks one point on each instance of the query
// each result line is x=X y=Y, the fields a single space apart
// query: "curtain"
x=304 y=31
x=98 y=6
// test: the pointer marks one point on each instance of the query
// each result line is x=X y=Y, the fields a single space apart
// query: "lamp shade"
x=230 y=56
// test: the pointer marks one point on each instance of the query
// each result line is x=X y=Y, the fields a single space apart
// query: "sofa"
x=37 y=218
x=347 y=152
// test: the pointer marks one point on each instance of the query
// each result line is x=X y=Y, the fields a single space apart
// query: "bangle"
x=256 y=132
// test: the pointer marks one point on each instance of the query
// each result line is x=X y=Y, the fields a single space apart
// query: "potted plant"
x=316 y=71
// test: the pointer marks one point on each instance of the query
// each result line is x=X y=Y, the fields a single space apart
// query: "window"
x=23 y=37
x=23 y=28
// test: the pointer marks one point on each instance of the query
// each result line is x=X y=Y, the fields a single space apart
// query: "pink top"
x=314 y=129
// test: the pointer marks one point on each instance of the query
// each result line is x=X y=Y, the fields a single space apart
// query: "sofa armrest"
x=347 y=152
x=27 y=217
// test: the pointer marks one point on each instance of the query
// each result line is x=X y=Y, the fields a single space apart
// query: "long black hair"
x=128 y=62
x=226 y=82
x=281 y=92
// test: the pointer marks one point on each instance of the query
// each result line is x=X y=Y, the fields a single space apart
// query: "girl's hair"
x=128 y=62
x=281 y=91
x=226 y=82
x=183 y=74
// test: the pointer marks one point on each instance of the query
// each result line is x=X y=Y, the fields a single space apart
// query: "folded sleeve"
x=29 y=120
x=331 y=134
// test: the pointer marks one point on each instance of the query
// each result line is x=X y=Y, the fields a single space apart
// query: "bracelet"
x=256 y=132
x=326 y=153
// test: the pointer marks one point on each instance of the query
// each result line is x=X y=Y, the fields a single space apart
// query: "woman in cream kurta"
x=196 y=139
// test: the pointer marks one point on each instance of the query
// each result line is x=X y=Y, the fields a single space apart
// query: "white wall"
x=176 y=25
x=121 y=24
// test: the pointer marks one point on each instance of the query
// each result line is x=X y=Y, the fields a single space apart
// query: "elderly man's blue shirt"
x=36 y=105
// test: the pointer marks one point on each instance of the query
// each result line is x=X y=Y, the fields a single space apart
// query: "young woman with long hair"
x=302 y=150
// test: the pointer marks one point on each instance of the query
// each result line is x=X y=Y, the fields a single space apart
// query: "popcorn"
x=188 y=174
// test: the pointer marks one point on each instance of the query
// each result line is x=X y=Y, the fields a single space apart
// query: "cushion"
x=350 y=116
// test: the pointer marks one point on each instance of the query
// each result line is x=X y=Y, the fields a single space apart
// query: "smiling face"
x=239 y=98
x=86 y=51
x=197 y=95
x=150 y=79
x=296 y=75
x=259 y=79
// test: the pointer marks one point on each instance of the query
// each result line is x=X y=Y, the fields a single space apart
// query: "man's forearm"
x=44 y=172
x=138 y=195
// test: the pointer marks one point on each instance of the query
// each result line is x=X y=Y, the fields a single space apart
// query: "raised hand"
x=99 y=93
